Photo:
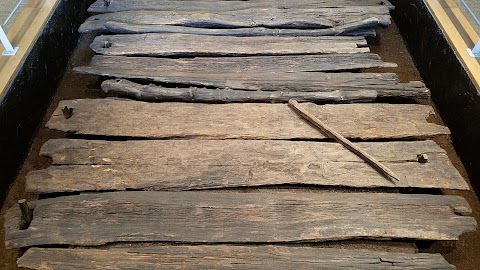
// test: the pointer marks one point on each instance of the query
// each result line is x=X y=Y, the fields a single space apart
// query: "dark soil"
x=389 y=46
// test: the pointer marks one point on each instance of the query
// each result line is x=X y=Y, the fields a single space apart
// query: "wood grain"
x=198 y=45
x=250 y=121
x=122 y=5
x=229 y=257
x=86 y=165
x=284 y=63
x=359 y=28
x=206 y=217
x=261 y=17
x=193 y=94
x=255 y=80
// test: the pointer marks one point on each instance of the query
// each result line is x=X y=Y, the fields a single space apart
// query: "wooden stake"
x=344 y=141
x=27 y=214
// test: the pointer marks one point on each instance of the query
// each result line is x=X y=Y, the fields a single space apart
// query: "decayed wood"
x=283 y=63
x=253 y=121
x=198 y=45
x=353 y=29
x=122 y=5
x=228 y=257
x=193 y=94
x=85 y=165
x=344 y=141
x=386 y=84
x=205 y=217
x=269 y=18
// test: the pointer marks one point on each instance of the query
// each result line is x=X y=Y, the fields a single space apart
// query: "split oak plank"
x=198 y=45
x=252 y=78
x=361 y=28
x=228 y=257
x=110 y=117
x=385 y=84
x=269 y=18
x=87 y=165
x=208 y=217
x=123 y=5
x=283 y=63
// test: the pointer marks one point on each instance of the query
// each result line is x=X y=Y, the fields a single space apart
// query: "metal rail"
x=9 y=49
x=475 y=51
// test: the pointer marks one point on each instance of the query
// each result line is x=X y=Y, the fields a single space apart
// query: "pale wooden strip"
x=191 y=164
x=229 y=257
x=41 y=10
x=463 y=21
x=459 y=45
x=198 y=45
x=122 y=5
x=253 y=121
x=205 y=217
x=259 y=17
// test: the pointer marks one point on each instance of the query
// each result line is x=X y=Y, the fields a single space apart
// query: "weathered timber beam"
x=194 y=94
x=230 y=257
x=87 y=165
x=197 y=45
x=124 y=5
x=110 y=117
x=208 y=217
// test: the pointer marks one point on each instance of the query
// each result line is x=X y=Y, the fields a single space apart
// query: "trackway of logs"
x=197 y=162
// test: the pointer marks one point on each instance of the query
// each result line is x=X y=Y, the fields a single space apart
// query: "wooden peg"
x=27 y=214
x=67 y=112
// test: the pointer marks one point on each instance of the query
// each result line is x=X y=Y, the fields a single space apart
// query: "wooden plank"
x=231 y=257
x=259 y=17
x=194 y=94
x=255 y=79
x=81 y=165
x=283 y=63
x=206 y=217
x=360 y=28
x=198 y=45
x=250 y=121
x=123 y=5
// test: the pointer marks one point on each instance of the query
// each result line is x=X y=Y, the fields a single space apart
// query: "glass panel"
x=471 y=10
x=10 y=10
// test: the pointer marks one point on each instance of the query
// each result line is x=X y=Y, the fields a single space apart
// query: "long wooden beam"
x=229 y=257
x=87 y=165
x=107 y=117
x=206 y=217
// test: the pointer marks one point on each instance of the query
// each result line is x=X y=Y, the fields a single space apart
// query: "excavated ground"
x=389 y=45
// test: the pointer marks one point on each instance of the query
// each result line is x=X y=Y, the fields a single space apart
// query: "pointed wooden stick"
x=345 y=142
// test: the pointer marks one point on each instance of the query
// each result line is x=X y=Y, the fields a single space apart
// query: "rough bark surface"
x=110 y=117
x=229 y=257
x=207 y=217
x=194 y=94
